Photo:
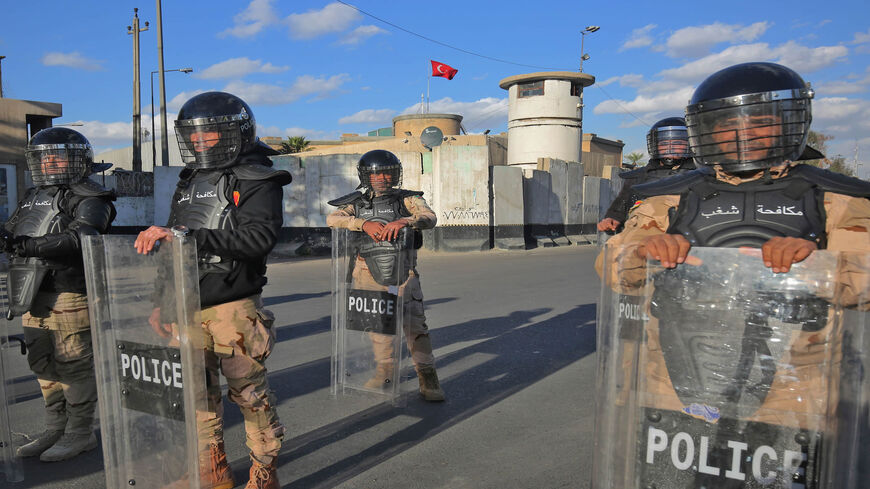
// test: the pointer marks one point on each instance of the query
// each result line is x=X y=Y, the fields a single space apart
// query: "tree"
x=294 y=144
x=837 y=164
x=632 y=158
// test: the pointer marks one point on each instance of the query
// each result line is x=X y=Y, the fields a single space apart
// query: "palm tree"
x=633 y=157
x=294 y=144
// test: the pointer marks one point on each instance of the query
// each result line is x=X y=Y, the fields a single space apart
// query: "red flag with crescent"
x=443 y=70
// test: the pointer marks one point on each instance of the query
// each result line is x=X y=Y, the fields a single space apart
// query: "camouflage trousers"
x=59 y=350
x=239 y=338
x=414 y=319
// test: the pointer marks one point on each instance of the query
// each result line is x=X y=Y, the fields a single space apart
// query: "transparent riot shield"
x=15 y=409
x=722 y=374
x=367 y=315
x=148 y=354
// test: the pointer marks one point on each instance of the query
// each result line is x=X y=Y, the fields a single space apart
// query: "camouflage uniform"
x=414 y=320
x=846 y=225
x=240 y=336
x=58 y=335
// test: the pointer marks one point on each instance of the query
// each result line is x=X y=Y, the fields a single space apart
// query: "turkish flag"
x=441 y=69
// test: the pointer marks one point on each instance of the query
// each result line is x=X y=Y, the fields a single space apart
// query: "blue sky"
x=320 y=68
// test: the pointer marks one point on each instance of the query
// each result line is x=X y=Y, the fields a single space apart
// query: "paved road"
x=514 y=334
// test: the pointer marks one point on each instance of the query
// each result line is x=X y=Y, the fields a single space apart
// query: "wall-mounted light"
x=486 y=132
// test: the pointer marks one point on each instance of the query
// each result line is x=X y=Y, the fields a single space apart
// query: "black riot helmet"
x=213 y=128
x=668 y=139
x=379 y=161
x=749 y=116
x=58 y=156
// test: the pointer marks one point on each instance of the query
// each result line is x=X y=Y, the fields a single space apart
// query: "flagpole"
x=428 y=81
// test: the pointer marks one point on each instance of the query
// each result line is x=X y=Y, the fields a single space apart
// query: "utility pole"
x=164 y=143
x=134 y=30
x=1 y=76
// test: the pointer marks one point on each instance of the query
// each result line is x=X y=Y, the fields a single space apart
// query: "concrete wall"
x=507 y=208
x=461 y=198
x=123 y=157
x=536 y=207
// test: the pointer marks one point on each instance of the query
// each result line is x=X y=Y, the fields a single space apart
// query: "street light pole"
x=588 y=30
x=134 y=30
x=153 y=147
x=1 y=76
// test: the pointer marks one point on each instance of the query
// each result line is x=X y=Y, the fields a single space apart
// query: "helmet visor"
x=208 y=143
x=58 y=164
x=748 y=137
x=669 y=142
x=381 y=178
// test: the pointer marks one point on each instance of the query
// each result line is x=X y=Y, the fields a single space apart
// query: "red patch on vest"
x=236 y=197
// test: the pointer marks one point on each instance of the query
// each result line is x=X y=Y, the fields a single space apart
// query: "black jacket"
x=259 y=216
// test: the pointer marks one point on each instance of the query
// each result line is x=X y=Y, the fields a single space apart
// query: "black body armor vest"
x=203 y=202
x=717 y=214
x=384 y=258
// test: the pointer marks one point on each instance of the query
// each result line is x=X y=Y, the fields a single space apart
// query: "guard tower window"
x=530 y=89
x=576 y=89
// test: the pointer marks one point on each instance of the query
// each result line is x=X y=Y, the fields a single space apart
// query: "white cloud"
x=673 y=101
x=628 y=80
x=861 y=37
x=177 y=101
x=257 y=16
x=799 y=58
x=368 y=116
x=486 y=113
x=237 y=68
x=805 y=59
x=263 y=94
x=361 y=33
x=838 y=88
x=639 y=38
x=71 y=60
x=696 y=41
x=334 y=17
x=840 y=108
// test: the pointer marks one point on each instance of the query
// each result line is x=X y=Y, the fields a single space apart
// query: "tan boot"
x=215 y=472
x=430 y=388
x=263 y=476
x=382 y=378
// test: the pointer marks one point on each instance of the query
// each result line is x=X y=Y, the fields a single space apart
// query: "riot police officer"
x=229 y=198
x=47 y=285
x=381 y=211
x=667 y=143
x=748 y=124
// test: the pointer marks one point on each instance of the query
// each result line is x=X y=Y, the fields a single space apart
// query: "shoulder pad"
x=676 y=184
x=261 y=172
x=632 y=174
x=90 y=188
x=346 y=199
x=832 y=181
x=410 y=193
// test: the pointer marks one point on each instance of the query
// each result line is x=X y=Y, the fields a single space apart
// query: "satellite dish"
x=431 y=137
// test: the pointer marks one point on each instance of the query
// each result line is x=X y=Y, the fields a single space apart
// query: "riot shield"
x=722 y=374
x=16 y=407
x=367 y=315
x=149 y=360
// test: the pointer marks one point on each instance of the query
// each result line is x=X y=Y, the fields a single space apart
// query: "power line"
x=442 y=43
x=621 y=106
x=478 y=55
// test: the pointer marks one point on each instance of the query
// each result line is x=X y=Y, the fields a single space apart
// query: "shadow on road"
x=520 y=352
